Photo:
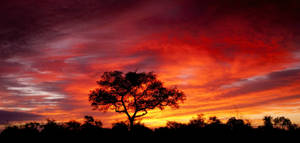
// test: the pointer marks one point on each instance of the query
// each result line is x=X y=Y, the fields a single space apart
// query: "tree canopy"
x=133 y=94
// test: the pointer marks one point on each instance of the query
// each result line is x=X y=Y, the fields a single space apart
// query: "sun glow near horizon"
x=230 y=58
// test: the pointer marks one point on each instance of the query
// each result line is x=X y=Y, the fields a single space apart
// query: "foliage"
x=233 y=130
x=133 y=94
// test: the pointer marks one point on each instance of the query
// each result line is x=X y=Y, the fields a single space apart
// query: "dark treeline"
x=233 y=129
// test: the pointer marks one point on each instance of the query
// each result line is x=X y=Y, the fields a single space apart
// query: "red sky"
x=231 y=58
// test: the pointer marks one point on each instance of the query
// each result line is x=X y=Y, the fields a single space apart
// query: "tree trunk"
x=131 y=122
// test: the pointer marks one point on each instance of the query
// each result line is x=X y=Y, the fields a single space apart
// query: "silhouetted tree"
x=199 y=122
x=214 y=120
x=91 y=127
x=141 y=130
x=133 y=94
x=196 y=129
x=120 y=126
x=268 y=122
x=282 y=122
x=90 y=121
x=31 y=129
x=237 y=124
x=73 y=125
x=52 y=128
x=175 y=125
x=11 y=131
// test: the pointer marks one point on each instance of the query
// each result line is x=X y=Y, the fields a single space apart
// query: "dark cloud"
x=51 y=48
x=27 y=23
x=9 y=116
x=261 y=15
x=270 y=81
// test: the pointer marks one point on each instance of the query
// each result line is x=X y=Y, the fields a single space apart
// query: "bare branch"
x=143 y=114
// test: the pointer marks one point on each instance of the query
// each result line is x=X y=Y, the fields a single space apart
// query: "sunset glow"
x=231 y=58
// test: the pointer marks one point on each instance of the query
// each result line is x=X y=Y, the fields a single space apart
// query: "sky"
x=230 y=57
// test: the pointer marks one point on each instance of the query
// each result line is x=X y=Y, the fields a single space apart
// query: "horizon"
x=256 y=123
x=238 y=58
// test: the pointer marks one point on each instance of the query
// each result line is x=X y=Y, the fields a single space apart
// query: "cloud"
x=10 y=116
x=28 y=24
x=275 y=100
x=216 y=51
x=270 y=81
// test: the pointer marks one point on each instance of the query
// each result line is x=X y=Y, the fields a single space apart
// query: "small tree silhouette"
x=237 y=124
x=282 y=122
x=268 y=122
x=199 y=122
x=133 y=94
x=91 y=122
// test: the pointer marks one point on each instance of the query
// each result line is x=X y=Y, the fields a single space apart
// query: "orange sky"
x=237 y=58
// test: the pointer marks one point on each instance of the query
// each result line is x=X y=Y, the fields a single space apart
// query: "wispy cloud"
x=222 y=54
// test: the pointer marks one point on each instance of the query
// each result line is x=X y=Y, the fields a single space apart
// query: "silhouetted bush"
x=233 y=130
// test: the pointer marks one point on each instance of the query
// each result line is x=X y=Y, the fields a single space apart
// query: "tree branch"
x=119 y=111
x=125 y=109
x=145 y=112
